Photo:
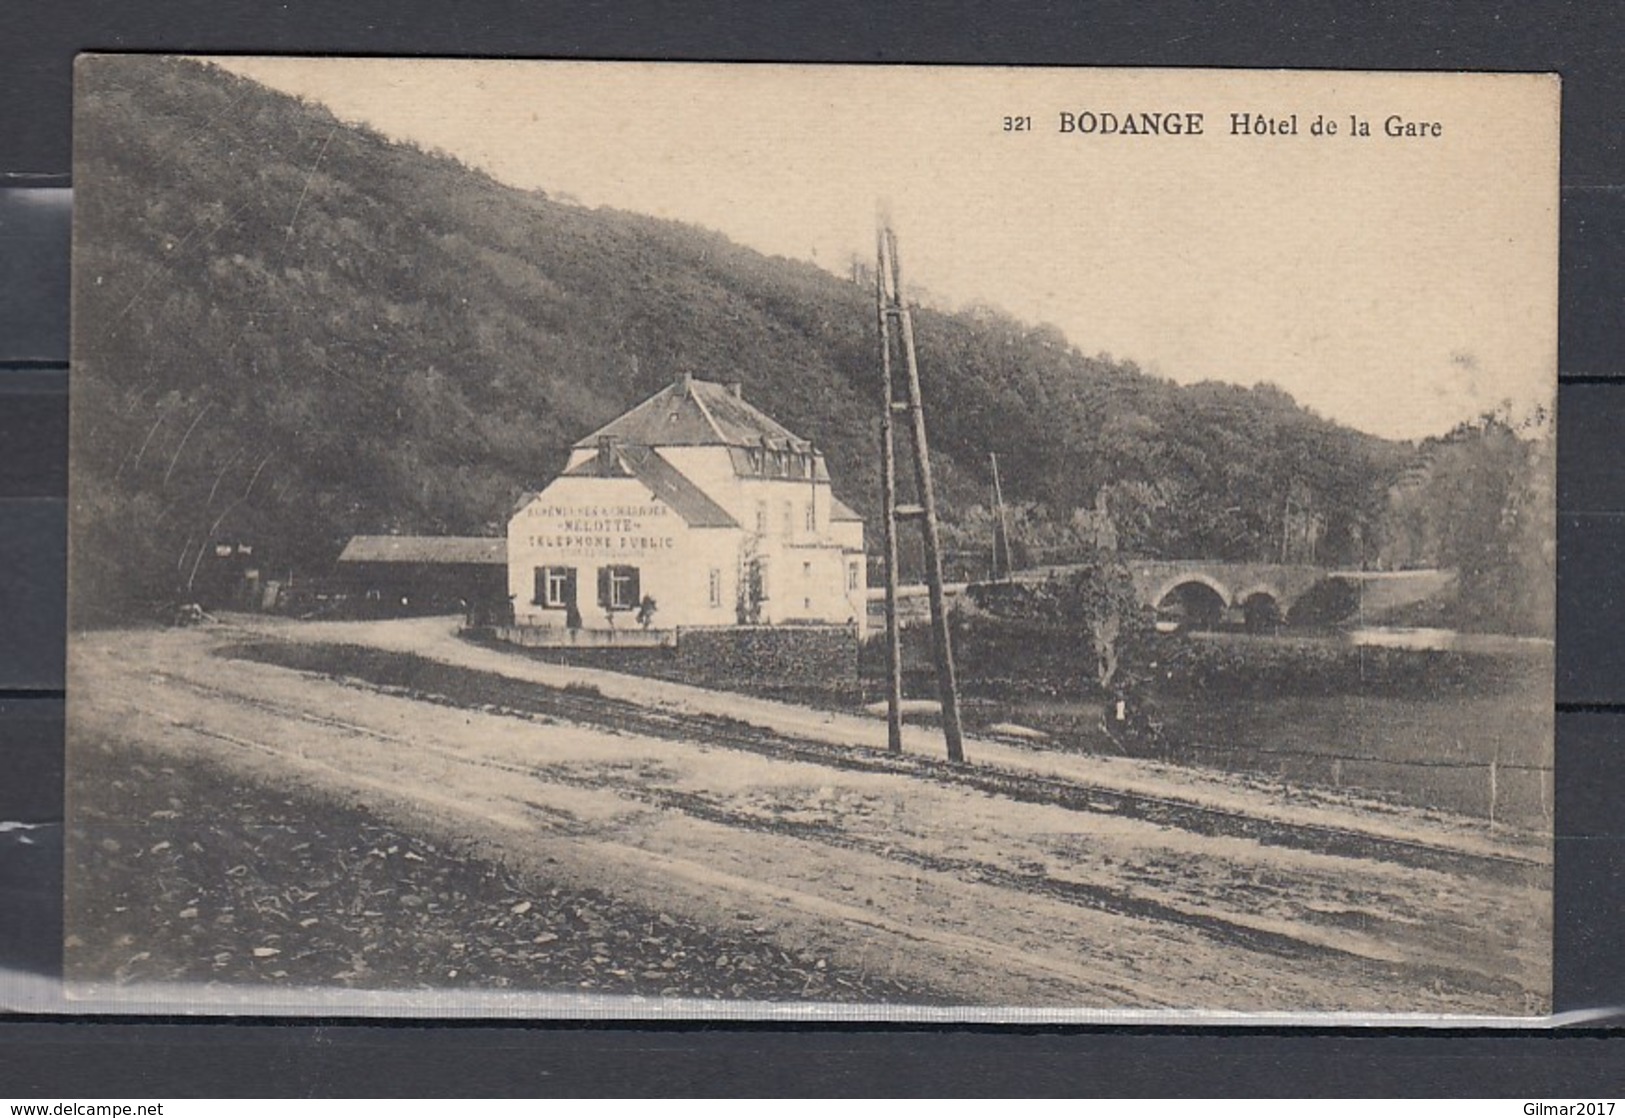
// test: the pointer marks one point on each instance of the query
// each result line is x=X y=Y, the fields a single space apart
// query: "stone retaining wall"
x=537 y=636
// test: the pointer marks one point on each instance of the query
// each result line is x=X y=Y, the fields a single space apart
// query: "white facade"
x=732 y=521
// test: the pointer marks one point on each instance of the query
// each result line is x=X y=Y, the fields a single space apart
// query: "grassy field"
x=1424 y=752
x=1432 y=752
x=1420 y=728
x=1428 y=740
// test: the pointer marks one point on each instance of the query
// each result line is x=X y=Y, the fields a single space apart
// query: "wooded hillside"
x=290 y=331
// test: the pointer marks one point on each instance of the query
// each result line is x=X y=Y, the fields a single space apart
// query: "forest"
x=290 y=331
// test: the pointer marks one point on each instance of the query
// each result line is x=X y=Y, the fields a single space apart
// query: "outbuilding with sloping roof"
x=396 y=575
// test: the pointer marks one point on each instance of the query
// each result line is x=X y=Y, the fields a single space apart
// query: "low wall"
x=538 y=636
x=822 y=658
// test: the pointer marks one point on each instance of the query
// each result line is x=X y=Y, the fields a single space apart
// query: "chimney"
x=736 y=390
x=606 y=455
x=685 y=382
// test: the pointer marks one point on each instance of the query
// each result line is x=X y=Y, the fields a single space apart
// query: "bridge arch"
x=1198 y=599
x=1263 y=608
x=1185 y=578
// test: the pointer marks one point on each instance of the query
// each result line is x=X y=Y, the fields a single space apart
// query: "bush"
x=1093 y=605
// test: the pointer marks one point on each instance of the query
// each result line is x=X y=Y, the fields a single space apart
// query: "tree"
x=1096 y=599
x=1483 y=505
x=1100 y=598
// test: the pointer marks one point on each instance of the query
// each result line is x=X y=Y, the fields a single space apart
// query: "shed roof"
x=664 y=480
x=691 y=412
x=839 y=510
x=480 y=550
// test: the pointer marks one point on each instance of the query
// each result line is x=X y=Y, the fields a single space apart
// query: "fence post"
x=1493 y=775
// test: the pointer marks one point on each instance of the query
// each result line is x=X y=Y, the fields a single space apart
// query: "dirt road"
x=1027 y=878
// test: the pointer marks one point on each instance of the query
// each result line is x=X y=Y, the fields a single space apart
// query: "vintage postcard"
x=730 y=540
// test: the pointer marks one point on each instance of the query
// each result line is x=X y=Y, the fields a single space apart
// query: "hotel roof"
x=663 y=479
x=839 y=511
x=691 y=412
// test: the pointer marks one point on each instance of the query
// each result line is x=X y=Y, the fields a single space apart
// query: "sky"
x=1395 y=284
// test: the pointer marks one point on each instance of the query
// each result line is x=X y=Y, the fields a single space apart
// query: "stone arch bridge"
x=1209 y=592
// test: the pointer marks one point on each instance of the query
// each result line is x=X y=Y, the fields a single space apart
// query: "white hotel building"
x=698 y=503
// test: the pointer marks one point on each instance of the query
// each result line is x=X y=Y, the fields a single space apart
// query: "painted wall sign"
x=598 y=530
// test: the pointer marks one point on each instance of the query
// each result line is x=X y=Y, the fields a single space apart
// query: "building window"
x=789 y=520
x=806 y=571
x=555 y=587
x=715 y=595
x=618 y=588
x=761 y=518
x=852 y=577
x=812 y=517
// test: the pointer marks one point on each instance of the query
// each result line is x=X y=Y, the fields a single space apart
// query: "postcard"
x=816 y=542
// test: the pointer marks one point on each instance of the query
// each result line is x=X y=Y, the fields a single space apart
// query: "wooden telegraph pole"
x=897 y=333
x=1001 y=533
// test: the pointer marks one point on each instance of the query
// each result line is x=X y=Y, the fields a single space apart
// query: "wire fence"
x=1511 y=791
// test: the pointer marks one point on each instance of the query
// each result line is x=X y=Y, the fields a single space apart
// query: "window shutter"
x=634 y=595
x=540 y=597
x=603 y=587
